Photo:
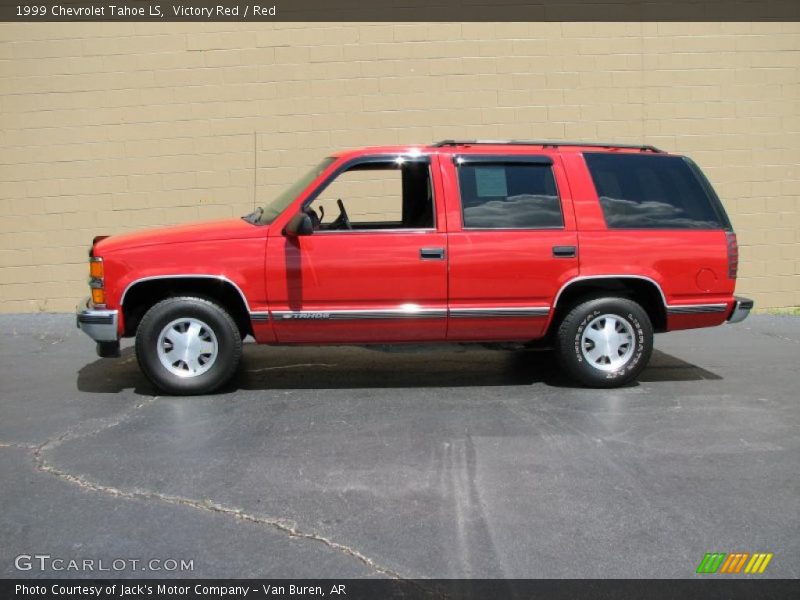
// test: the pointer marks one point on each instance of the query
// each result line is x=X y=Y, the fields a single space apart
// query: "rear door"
x=512 y=243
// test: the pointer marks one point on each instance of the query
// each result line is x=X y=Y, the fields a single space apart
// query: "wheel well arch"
x=142 y=294
x=643 y=290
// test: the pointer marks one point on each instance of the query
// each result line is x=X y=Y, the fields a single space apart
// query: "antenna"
x=255 y=167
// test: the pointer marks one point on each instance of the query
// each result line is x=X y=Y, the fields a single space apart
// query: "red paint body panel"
x=355 y=271
x=504 y=268
x=673 y=259
x=507 y=269
x=378 y=272
x=677 y=322
x=588 y=213
x=239 y=261
x=222 y=229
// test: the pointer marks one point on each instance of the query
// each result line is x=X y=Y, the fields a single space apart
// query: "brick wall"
x=109 y=127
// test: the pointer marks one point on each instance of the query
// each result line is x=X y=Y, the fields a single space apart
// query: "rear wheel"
x=605 y=342
x=188 y=345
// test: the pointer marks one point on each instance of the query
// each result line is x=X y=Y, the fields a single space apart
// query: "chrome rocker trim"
x=100 y=324
x=741 y=309
x=691 y=309
x=340 y=315
x=480 y=313
x=406 y=313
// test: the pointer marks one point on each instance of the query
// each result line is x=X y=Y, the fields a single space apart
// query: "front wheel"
x=605 y=342
x=188 y=345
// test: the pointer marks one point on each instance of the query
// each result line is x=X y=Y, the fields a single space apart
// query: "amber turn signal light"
x=98 y=296
x=96 y=268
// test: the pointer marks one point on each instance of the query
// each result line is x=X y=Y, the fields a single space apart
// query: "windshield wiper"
x=254 y=216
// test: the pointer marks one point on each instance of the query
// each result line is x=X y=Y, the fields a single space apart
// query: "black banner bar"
x=707 y=588
x=398 y=10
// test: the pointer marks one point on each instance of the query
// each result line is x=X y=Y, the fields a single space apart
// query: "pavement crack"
x=777 y=336
x=285 y=526
x=81 y=432
x=17 y=445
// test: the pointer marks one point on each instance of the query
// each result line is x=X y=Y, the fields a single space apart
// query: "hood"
x=222 y=229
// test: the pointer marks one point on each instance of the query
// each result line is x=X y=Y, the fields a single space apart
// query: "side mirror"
x=300 y=224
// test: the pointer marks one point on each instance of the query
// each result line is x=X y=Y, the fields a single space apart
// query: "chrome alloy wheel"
x=607 y=342
x=187 y=347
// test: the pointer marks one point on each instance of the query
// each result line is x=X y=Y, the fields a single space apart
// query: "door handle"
x=431 y=253
x=564 y=251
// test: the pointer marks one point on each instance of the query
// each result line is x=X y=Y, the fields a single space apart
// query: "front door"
x=375 y=267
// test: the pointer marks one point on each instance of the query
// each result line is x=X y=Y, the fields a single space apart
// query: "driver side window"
x=391 y=194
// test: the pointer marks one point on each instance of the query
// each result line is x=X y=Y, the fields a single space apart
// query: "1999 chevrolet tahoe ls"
x=591 y=247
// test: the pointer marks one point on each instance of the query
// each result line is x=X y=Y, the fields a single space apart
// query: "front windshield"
x=276 y=206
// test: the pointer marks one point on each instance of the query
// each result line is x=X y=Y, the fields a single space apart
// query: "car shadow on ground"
x=342 y=367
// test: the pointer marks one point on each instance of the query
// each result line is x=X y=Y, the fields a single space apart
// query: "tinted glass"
x=277 y=205
x=651 y=192
x=509 y=196
x=378 y=195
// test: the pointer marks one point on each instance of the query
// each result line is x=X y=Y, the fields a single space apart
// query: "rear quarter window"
x=654 y=192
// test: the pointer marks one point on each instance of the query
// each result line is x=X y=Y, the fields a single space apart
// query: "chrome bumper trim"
x=99 y=324
x=741 y=308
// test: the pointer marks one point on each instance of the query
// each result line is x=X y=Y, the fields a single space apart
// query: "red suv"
x=589 y=247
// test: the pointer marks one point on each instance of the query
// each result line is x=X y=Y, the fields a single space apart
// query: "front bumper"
x=741 y=308
x=99 y=324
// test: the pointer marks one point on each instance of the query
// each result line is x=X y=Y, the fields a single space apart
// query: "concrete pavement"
x=402 y=462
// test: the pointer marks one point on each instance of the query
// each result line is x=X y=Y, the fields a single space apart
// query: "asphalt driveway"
x=410 y=462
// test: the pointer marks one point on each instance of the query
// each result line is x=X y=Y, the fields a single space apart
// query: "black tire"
x=222 y=326
x=574 y=351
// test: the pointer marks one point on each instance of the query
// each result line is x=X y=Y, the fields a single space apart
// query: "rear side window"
x=653 y=192
x=508 y=195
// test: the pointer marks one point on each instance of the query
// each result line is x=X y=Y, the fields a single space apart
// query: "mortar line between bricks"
x=284 y=526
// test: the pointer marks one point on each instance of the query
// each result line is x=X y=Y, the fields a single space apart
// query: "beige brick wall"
x=369 y=196
x=110 y=127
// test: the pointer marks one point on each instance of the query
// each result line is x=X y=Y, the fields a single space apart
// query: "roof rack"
x=543 y=143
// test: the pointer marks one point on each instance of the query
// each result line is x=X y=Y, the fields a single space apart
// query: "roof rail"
x=543 y=143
